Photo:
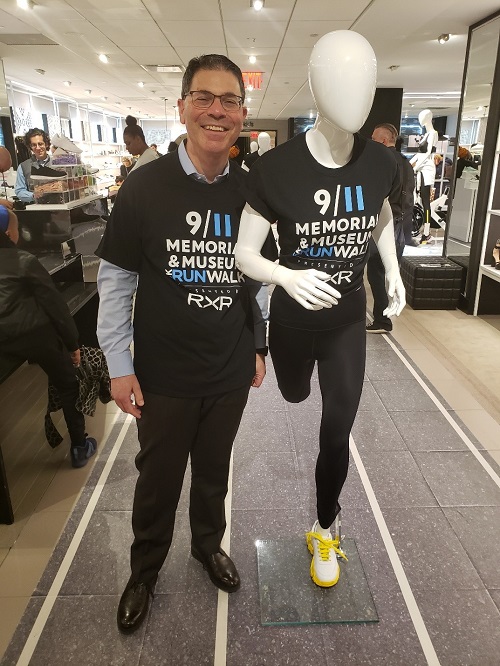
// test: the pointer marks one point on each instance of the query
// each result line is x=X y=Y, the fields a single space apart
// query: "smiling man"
x=195 y=354
x=38 y=142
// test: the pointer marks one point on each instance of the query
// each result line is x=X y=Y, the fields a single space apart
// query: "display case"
x=75 y=181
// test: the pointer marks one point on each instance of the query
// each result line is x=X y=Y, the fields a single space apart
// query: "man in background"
x=402 y=209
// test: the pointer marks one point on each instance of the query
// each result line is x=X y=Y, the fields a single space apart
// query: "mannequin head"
x=253 y=146
x=264 y=142
x=425 y=117
x=342 y=78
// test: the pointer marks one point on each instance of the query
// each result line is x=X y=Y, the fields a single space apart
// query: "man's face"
x=38 y=147
x=212 y=131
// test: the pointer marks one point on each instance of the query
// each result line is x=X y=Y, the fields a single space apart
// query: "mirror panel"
x=471 y=131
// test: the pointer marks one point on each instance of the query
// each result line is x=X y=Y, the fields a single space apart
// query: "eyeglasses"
x=202 y=99
x=38 y=145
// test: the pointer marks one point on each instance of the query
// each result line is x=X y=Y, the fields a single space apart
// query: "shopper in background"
x=195 y=354
x=401 y=201
x=172 y=146
x=155 y=148
x=36 y=325
x=38 y=141
x=126 y=166
x=135 y=142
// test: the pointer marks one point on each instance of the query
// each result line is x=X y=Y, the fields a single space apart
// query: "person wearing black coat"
x=36 y=325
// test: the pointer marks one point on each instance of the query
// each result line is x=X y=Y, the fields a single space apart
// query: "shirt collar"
x=190 y=169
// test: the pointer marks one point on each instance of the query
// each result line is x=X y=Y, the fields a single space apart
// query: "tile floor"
x=422 y=502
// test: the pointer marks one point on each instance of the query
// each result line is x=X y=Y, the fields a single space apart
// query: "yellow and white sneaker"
x=325 y=570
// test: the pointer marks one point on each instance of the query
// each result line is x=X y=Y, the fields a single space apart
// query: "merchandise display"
x=73 y=183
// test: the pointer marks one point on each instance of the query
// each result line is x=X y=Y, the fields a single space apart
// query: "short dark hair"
x=212 y=61
x=133 y=129
x=390 y=128
x=36 y=132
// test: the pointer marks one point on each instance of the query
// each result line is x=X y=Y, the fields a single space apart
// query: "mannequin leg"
x=425 y=196
x=340 y=354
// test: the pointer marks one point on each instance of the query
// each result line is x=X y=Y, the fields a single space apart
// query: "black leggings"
x=340 y=354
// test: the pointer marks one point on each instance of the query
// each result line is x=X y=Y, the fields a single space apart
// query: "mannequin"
x=328 y=191
x=424 y=166
x=263 y=145
x=253 y=146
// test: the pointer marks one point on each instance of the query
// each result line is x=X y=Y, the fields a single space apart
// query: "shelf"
x=490 y=272
x=64 y=206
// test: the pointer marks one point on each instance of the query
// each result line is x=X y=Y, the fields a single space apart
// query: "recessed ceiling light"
x=104 y=99
x=40 y=71
x=67 y=83
x=442 y=39
x=25 y=4
x=249 y=99
x=141 y=84
x=252 y=59
x=257 y=4
x=88 y=92
x=250 y=88
x=103 y=57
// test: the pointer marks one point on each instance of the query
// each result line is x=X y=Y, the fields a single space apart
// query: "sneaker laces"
x=325 y=546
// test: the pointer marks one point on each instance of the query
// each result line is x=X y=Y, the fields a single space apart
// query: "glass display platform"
x=289 y=596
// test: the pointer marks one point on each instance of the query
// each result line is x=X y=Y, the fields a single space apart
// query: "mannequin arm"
x=309 y=288
x=383 y=235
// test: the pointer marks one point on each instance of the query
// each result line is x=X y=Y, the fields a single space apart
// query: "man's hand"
x=8 y=204
x=127 y=394
x=75 y=358
x=260 y=370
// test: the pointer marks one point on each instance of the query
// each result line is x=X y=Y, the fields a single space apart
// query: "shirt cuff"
x=120 y=365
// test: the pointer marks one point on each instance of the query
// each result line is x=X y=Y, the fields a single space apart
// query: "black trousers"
x=44 y=346
x=170 y=430
x=340 y=354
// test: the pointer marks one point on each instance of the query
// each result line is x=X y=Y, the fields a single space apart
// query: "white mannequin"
x=263 y=145
x=423 y=164
x=342 y=77
x=341 y=61
x=263 y=142
x=253 y=146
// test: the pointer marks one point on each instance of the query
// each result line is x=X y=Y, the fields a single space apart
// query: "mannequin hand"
x=309 y=288
x=396 y=293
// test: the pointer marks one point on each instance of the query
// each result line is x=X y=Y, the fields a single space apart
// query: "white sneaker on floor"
x=325 y=570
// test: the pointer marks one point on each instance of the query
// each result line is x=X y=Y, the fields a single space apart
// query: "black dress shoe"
x=133 y=606
x=220 y=569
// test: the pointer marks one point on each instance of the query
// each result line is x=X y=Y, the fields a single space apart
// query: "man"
x=36 y=325
x=38 y=142
x=401 y=202
x=194 y=352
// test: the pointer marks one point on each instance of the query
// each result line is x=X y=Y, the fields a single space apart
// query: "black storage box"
x=431 y=283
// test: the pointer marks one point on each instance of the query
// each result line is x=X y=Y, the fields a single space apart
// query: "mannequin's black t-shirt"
x=324 y=218
x=193 y=331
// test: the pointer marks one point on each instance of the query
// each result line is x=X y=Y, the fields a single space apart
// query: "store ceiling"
x=63 y=38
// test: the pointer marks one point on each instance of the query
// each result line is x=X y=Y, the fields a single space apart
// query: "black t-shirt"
x=193 y=331
x=324 y=220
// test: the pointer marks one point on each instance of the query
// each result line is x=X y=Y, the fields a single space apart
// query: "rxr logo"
x=205 y=302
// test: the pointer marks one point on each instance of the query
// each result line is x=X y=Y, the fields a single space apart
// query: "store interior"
x=423 y=498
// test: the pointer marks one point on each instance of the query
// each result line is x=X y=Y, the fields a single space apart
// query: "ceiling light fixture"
x=393 y=67
x=141 y=84
x=104 y=99
x=67 y=83
x=103 y=57
x=40 y=71
x=442 y=39
x=250 y=88
x=252 y=59
x=88 y=92
x=257 y=4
